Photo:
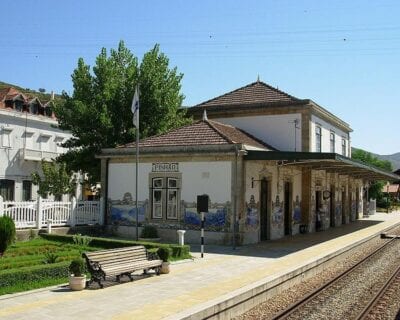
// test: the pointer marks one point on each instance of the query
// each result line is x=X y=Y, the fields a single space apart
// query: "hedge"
x=177 y=251
x=36 y=273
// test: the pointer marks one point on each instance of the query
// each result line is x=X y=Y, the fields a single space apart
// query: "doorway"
x=288 y=208
x=265 y=210
x=332 y=207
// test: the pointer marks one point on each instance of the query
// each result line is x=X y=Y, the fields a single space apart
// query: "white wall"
x=276 y=130
x=326 y=129
x=212 y=178
x=12 y=166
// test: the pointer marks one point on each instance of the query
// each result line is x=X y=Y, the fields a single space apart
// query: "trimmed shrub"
x=36 y=273
x=7 y=233
x=149 y=232
x=164 y=253
x=177 y=250
x=77 y=267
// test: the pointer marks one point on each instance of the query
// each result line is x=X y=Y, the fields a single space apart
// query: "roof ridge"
x=218 y=131
x=247 y=86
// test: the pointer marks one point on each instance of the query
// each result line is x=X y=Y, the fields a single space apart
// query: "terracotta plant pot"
x=165 y=268
x=77 y=283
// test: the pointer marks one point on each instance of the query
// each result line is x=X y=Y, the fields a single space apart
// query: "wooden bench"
x=120 y=262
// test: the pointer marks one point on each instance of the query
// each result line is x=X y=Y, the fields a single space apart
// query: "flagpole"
x=136 y=191
x=135 y=111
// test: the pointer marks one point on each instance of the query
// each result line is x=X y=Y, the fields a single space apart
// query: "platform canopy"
x=330 y=162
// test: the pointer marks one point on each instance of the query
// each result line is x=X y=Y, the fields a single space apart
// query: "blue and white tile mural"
x=252 y=219
x=215 y=218
x=296 y=211
x=277 y=211
x=126 y=214
x=123 y=212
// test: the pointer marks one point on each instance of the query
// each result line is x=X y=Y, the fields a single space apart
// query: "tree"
x=98 y=113
x=56 y=180
x=375 y=189
x=7 y=233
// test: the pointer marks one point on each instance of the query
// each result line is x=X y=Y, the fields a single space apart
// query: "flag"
x=135 y=108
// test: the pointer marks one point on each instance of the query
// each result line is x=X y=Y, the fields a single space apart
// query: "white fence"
x=37 y=214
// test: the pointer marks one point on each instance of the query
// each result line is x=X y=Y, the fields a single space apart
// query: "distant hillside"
x=393 y=158
x=29 y=92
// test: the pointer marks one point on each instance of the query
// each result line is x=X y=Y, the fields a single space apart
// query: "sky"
x=344 y=55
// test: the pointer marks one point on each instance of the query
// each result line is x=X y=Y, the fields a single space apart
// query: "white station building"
x=272 y=165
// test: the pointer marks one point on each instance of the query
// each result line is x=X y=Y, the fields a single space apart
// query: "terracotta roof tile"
x=202 y=132
x=254 y=93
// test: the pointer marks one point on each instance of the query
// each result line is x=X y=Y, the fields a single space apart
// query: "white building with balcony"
x=28 y=134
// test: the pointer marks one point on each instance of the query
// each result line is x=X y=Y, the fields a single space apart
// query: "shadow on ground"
x=109 y=282
x=288 y=244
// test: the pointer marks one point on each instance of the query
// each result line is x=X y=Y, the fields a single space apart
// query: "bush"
x=7 y=233
x=50 y=257
x=164 y=253
x=77 y=267
x=80 y=240
x=31 y=274
x=178 y=252
x=149 y=232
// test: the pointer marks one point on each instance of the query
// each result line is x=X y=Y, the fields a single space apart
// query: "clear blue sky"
x=344 y=55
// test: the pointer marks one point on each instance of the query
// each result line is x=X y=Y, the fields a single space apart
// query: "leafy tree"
x=7 y=233
x=375 y=189
x=56 y=180
x=98 y=113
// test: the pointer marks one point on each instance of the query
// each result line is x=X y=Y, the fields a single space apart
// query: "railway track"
x=380 y=306
x=359 y=283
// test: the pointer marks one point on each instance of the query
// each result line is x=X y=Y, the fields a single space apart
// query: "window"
x=48 y=111
x=19 y=105
x=172 y=205
x=332 y=140
x=34 y=108
x=157 y=198
x=7 y=189
x=165 y=198
x=6 y=138
x=44 y=140
x=343 y=146
x=26 y=190
x=318 y=137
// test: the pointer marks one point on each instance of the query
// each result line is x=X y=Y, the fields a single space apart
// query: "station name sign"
x=165 y=167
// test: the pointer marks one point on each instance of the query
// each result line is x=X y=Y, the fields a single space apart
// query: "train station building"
x=272 y=165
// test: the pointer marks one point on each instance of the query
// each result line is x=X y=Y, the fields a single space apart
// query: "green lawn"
x=43 y=262
x=23 y=259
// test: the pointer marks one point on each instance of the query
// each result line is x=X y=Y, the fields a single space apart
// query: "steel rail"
x=375 y=299
x=297 y=305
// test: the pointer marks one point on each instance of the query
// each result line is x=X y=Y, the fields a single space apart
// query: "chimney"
x=205 y=115
x=52 y=95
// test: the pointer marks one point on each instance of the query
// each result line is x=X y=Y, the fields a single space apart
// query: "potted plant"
x=77 y=279
x=149 y=233
x=164 y=254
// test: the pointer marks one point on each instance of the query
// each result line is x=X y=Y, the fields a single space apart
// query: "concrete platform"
x=202 y=287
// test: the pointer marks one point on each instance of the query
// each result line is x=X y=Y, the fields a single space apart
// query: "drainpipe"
x=234 y=206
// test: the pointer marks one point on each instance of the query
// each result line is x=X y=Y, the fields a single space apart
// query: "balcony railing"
x=37 y=155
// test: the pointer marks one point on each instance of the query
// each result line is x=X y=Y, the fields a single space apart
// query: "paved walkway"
x=193 y=285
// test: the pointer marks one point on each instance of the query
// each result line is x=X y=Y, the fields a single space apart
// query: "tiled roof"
x=392 y=188
x=204 y=132
x=10 y=93
x=254 y=93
